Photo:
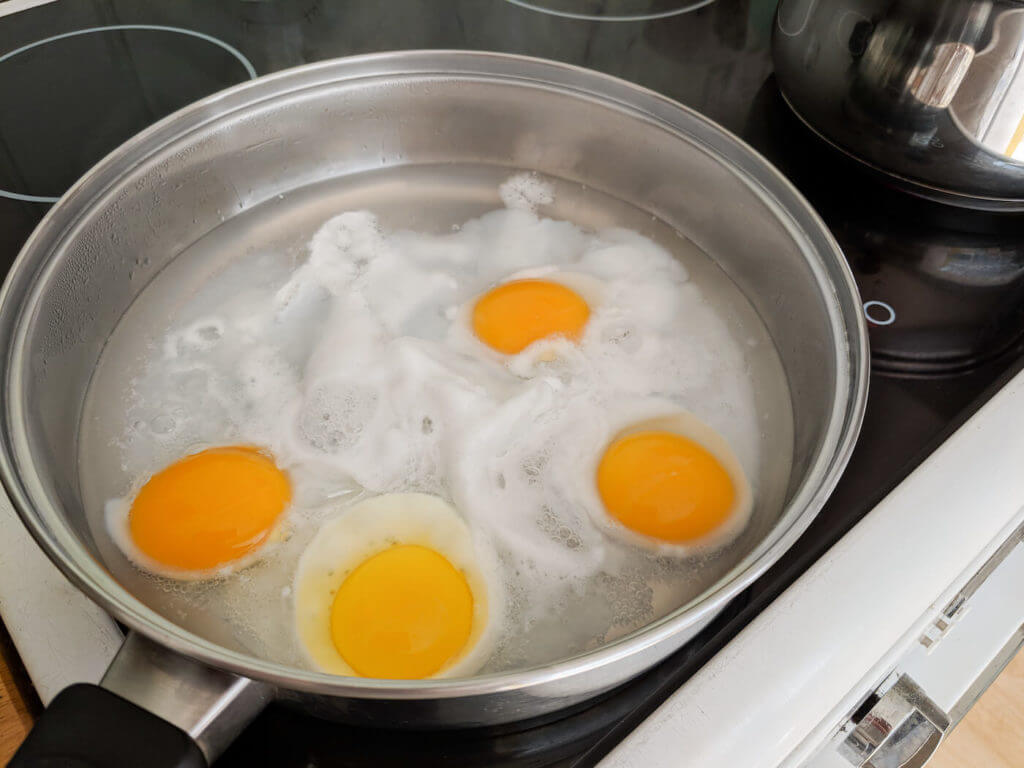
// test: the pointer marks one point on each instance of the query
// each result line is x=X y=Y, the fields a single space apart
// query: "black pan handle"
x=154 y=709
x=87 y=726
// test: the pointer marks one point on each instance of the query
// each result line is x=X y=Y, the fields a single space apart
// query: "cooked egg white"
x=204 y=516
x=395 y=587
x=530 y=317
x=669 y=482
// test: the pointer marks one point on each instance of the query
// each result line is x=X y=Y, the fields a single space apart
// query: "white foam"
x=526 y=191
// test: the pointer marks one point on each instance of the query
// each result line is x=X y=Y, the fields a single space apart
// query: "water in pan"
x=235 y=339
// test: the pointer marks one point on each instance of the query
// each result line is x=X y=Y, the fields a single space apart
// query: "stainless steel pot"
x=135 y=211
x=928 y=91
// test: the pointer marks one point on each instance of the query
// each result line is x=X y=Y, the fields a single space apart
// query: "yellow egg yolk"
x=664 y=485
x=514 y=315
x=209 y=509
x=402 y=614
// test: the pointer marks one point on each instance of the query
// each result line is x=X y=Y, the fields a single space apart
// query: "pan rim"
x=20 y=479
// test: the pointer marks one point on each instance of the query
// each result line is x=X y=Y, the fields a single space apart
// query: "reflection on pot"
x=943 y=287
x=989 y=105
x=929 y=91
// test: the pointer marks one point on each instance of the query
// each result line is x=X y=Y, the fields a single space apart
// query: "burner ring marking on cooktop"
x=538 y=5
x=881 y=305
x=250 y=70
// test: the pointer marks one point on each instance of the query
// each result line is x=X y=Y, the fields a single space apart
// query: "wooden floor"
x=991 y=736
x=17 y=704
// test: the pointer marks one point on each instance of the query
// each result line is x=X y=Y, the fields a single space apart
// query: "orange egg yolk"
x=514 y=315
x=402 y=614
x=209 y=509
x=664 y=485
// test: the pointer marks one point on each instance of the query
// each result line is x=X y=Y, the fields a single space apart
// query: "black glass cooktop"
x=943 y=288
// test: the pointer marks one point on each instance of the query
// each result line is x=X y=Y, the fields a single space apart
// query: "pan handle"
x=153 y=707
x=87 y=726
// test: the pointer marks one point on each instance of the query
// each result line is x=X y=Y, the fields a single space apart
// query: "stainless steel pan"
x=179 y=180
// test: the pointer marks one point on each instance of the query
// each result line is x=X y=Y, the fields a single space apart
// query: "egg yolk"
x=514 y=315
x=209 y=508
x=664 y=485
x=402 y=614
